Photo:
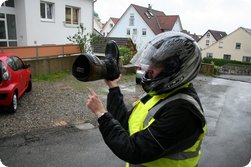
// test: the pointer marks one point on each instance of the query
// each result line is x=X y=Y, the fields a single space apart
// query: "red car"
x=15 y=80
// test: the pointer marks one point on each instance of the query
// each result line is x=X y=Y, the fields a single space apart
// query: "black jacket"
x=175 y=128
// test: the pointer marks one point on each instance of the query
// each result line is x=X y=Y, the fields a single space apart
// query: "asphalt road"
x=227 y=143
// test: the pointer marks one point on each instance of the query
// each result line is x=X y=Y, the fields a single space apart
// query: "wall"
x=121 y=28
x=50 y=65
x=236 y=69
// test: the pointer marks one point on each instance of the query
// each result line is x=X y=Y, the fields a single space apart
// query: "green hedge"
x=221 y=62
x=125 y=54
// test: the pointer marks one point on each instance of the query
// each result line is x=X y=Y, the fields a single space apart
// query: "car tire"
x=29 y=86
x=138 y=80
x=13 y=107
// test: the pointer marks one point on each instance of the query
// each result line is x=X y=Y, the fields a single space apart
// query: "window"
x=71 y=15
x=209 y=55
x=208 y=35
x=47 y=11
x=128 y=32
x=111 y=25
x=246 y=59
x=238 y=45
x=12 y=64
x=131 y=20
x=134 y=31
x=144 y=32
x=207 y=42
x=220 y=44
x=8 y=35
x=19 y=63
x=226 y=57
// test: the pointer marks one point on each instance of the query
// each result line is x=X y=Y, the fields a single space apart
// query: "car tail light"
x=5 y=73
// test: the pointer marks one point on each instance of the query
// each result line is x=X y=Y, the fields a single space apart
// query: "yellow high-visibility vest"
x=142 y=117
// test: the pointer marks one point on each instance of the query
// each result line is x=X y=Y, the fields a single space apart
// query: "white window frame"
x=131 y=19
x=72 y=19
x=207 y=42
x=134 y=31
x=208 y=35
x=7 y=40
x=209 y=55
x=238 y=45
x=128 y=31
x=220 y=44
x=246 y=59
x=143 y=31
x=46 y=12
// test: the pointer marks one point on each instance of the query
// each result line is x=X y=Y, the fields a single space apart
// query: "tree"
x=84 y=40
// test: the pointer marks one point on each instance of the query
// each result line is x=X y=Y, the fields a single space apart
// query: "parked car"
x=15 y=80
x=140 y=71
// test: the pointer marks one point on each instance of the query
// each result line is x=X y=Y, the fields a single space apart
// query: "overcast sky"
x=197 y=16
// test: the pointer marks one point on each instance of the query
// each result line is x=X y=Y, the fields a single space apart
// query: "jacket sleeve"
x=174 y=125
x=117 y=107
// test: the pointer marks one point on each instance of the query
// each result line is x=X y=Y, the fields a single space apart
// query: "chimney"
x=149 y=6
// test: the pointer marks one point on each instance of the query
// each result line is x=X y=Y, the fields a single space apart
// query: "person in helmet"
x=166 y=125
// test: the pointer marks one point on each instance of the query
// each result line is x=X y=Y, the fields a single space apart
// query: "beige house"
x=210 y=37
x=235 y=46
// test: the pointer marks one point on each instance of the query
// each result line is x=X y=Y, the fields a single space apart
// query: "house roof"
x=194 y=36
x=167 y=22
x=247 y=30
x=114 y=20
x=99 y=47
x=217 y=34
x=156 y=20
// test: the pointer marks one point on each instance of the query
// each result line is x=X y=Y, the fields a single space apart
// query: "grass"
x=77 y=85
x=50 y=77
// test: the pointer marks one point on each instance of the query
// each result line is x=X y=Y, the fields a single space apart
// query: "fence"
x=34 y=52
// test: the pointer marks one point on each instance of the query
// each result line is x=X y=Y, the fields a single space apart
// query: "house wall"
x=177 y=26
x=202 y=41
x=97 y=25
x=123 y=24
x=107 y=28
x=31 y=30
x=229 y=43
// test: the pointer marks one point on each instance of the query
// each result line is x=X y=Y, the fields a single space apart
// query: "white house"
x=210 y=37
x=142 y=24
x=97 y=25
x=235 y=46
x=109 y=25
x=37 y=22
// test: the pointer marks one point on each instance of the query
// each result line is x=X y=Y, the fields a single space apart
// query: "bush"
x=125 y=55
x=221 y=62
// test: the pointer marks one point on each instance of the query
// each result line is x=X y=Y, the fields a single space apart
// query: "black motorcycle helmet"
x=177 y=54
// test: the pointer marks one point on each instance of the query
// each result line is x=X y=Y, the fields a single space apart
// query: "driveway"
x=227 y=142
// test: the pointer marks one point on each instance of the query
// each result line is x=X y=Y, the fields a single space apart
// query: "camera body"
x=88 y=67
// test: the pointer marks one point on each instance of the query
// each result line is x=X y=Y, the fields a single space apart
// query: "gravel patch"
x=63 y=103
x=60 y=103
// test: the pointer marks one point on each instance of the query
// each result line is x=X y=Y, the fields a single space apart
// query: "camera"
x=88 y=67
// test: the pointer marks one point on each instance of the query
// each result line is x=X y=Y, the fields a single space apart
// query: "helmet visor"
x=145 y=55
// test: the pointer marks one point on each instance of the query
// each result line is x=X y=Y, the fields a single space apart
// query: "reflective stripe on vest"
x=156 y=108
